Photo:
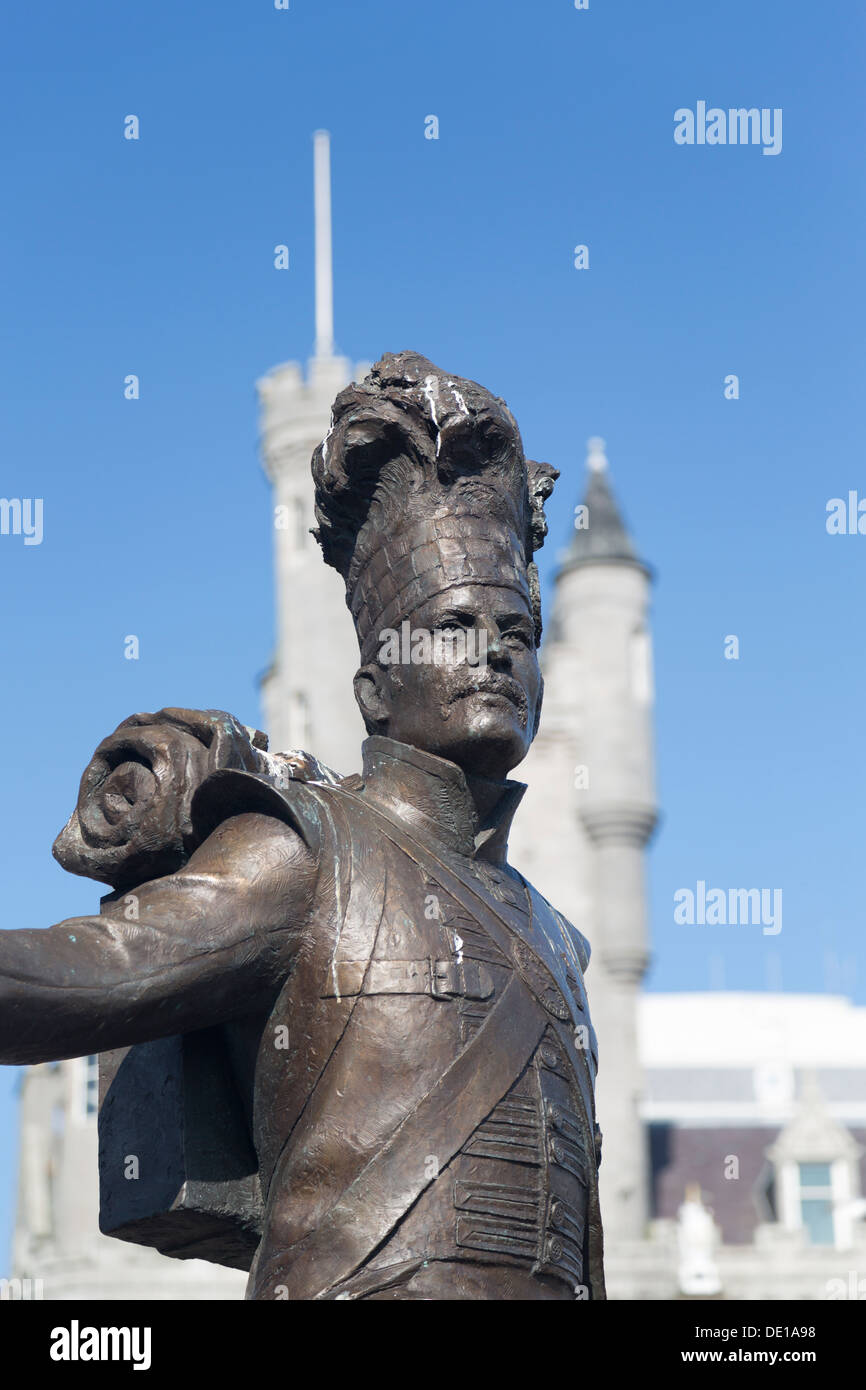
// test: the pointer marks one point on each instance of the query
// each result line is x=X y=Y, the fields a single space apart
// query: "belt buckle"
x=442 y=982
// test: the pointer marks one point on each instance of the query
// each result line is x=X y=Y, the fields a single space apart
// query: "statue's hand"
x=132 y=821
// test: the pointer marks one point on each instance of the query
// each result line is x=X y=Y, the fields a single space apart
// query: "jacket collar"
x=432 y=795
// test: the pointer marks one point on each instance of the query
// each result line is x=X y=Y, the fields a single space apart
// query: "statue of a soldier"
x=405 y=1016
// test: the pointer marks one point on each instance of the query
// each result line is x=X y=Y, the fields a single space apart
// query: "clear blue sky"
x=556 y=128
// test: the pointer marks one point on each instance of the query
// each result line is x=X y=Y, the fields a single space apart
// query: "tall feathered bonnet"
x=422 y=484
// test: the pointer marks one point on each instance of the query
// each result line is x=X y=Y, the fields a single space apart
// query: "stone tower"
x=590 y=810
x=307 y=693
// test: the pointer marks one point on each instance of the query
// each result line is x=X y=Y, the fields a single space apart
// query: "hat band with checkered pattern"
x=424 y=560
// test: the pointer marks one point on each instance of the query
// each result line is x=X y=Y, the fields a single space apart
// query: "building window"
x=816 y=1202
x=91 y=1086
x=302 y=534
x=640 y=656
x=817 y=1165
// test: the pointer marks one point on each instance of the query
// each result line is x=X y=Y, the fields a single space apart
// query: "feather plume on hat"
x=422 y=484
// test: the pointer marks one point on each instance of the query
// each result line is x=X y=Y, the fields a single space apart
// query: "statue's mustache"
x=495 y=683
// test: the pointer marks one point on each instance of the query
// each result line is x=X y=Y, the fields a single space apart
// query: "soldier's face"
x=471 y=690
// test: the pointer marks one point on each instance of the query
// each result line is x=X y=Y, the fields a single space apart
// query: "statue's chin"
x=488 y=745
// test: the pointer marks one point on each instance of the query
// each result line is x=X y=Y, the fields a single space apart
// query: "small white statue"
x=697 y=1238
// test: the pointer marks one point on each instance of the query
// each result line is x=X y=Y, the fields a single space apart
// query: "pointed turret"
x=600 y=533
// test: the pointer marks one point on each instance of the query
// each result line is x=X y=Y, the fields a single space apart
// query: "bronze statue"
x=400 y=1017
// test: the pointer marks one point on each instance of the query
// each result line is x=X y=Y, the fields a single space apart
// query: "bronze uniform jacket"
x=374 y=1185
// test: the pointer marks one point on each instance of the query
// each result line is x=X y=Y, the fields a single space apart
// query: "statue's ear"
x=373 y=696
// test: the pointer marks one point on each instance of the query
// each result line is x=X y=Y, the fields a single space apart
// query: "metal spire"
x=324 y=256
